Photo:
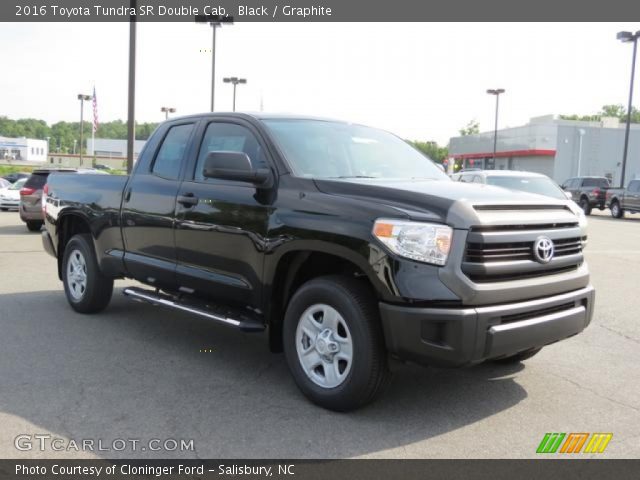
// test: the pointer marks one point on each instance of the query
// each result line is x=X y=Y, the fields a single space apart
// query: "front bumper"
x=454 y=337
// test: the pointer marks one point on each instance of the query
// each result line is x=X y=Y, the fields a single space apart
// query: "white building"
x=110 y=148
x=22 y=151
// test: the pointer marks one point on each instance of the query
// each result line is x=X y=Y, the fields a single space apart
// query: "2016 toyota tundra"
x=341 y=242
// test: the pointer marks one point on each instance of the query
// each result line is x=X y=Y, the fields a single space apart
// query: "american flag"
x=95 y=111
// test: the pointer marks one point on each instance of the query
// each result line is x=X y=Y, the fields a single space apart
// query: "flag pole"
x=93 y=130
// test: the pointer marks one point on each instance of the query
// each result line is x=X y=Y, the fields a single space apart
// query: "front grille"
x=508 y=252
x=507 y=277
x=503 y=251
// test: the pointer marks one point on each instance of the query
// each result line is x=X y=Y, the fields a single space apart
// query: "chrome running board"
x=218 y=315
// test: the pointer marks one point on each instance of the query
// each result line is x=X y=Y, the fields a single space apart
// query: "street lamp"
x=167 y=111
x=214 y=25
x=82 y=98
x=496 y=92
x=581 y=132
x=235 y=81
x=627 y=37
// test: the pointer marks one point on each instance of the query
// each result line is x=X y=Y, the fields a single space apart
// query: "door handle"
x=188 y=200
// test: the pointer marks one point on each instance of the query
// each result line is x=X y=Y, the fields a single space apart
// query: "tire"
x=86 y=288
x=349 y=311
x=585 y=206
x=518 y=357
x=4 y=209
x=34 y=226
x=616 y=211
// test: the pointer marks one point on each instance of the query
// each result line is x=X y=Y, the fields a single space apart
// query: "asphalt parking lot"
x=138 y=372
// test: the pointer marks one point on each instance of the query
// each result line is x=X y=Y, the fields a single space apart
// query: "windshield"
x=539 y=185
x=324 y=149
x=18 y=184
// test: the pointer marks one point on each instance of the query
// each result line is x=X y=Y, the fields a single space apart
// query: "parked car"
x=341 y=241
x=31 y=194
x=10 y=196
x=516 y=180
x=620 y=200
x=588 y=192
x=13 y=177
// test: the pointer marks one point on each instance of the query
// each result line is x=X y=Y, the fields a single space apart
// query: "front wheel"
x=334 y=344
x=86 y=288
x=616 y=211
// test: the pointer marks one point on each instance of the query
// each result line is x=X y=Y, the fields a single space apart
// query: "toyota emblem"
x=543 y=249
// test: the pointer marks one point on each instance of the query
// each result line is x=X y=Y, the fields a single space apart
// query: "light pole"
x=214 y=25
x=627 y=37
x=167 y=111
x=131 y=97
x=82 y=98
x=496 y=92
x=581 y=132
x=235 y=81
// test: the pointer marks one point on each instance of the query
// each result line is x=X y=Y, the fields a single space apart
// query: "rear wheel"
x=86 y=288
x=616 y=211
x=334 y=344
x=34 y=226
x=585 y=206
x=518 y=357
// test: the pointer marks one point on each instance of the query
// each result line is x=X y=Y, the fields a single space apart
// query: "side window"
x=169 y=158
x=465 y=178
x=477 y=179
x=634 y=186
x=229 y=137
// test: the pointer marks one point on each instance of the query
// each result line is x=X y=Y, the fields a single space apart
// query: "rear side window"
x=37 y=181
x=169 y=158
x=595 y=182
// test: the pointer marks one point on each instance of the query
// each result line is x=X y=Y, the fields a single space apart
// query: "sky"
x=422 y=81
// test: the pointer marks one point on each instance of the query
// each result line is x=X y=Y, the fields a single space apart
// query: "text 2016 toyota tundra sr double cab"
x=342 y=241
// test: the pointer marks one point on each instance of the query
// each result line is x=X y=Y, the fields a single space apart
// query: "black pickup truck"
x=342 y=242
x=620 y=200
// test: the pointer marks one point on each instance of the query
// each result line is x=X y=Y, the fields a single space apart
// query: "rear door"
x=632 y=196
x=148 y=206
x=221 y=236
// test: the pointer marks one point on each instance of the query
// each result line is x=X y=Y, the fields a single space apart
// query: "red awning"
x=511 y=153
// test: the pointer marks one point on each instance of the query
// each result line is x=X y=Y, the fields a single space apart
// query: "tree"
x=472 y=128
x=63 y=134
x=612 y=110
x=431 y=149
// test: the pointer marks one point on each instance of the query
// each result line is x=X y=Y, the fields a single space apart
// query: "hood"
x=434 y=199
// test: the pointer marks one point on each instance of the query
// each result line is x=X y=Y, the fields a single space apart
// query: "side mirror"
x=235 y=166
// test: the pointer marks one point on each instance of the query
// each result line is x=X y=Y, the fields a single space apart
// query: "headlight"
x=424 y=242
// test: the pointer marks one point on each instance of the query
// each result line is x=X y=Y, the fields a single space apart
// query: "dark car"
x=31 y=195
x=341 y=242
x=621 y=200
x=13 y=177
x=588 y=192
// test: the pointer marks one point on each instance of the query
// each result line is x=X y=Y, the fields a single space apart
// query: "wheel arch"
x=68 y=225
x=296 y=267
